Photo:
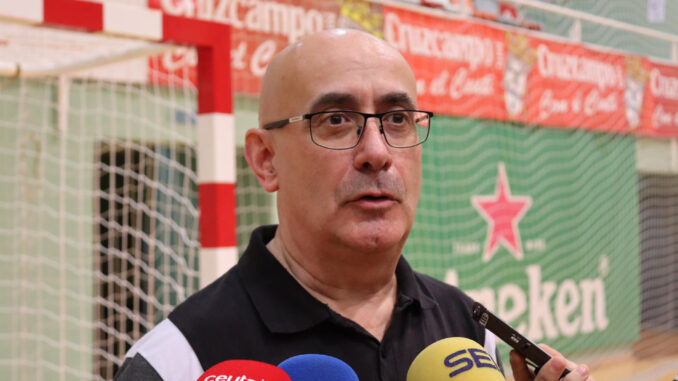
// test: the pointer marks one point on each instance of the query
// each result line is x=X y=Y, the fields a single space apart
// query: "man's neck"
x=368 y=302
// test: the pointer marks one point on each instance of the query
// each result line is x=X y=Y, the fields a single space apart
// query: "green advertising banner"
x=540 y=225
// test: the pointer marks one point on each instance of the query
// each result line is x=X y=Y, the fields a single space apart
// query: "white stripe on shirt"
x=168 y=352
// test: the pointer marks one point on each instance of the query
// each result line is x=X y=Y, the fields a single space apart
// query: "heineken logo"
x=546 y=308
x=549 y=243
x=502 y=211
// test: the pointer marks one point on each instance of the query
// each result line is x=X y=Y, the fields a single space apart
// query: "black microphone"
x=533 y=354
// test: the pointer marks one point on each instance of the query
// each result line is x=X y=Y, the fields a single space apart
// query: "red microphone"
x=244 y=370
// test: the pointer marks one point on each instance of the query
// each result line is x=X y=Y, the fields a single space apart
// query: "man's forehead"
x=329 y=39
x=334 y=66
x=330 y=49
x=351 y=101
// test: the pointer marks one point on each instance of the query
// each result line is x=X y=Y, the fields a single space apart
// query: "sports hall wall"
x=99 y=222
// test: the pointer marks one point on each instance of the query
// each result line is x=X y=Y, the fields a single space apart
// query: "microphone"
x=244 y=370
x=455 y=358
x=532 y=353
x=314 y=367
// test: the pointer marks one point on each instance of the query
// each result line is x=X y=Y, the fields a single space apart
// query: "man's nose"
x=372 y=152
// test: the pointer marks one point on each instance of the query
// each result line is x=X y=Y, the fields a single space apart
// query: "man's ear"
x=259 y=154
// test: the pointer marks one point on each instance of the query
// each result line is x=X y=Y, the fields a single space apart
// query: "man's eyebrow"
x=340 y=100
x=396 y=99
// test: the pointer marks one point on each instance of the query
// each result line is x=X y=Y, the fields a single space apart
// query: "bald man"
x=340 y=141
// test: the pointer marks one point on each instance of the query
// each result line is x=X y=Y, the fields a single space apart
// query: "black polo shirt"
x=258 y=311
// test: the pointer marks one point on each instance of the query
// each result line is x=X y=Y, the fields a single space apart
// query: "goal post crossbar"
x=215 y=131
x=11 y=69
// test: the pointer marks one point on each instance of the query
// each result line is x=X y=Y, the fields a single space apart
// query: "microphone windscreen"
x=314 y=367
x=244 y=370
x=454 y=358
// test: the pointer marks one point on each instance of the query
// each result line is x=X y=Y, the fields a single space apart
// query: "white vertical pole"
x=575 y=30
x=63 y=104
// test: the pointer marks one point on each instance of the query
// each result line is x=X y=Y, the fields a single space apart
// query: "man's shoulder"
x=137 y=368
x=164 y=353
x=210 y=325
x=220 y=309
x=185 y=340
x=224 y=302
x=214 y=298
x=227 y=318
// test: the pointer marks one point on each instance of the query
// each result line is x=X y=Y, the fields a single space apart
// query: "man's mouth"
x=369 y=197
x=374 y=200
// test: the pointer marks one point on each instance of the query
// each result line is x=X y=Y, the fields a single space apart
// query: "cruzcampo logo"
x=502 y=211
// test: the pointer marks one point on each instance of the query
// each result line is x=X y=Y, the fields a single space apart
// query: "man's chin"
x=376 y=237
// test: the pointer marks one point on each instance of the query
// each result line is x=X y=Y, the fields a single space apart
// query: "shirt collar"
x=409 y=288
x=284 y=305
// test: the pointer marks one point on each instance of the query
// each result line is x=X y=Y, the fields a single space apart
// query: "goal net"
x=99 y=185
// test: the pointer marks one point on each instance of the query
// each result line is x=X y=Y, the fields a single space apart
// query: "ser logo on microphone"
x=465 y=359
x=454 y=358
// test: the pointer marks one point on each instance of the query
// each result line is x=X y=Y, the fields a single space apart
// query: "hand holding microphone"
x=552 y=369
x=548 y=363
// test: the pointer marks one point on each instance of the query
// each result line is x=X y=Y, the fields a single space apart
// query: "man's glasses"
x=342 y=129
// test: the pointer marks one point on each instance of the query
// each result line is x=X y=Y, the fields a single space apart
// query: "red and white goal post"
x=100 y=186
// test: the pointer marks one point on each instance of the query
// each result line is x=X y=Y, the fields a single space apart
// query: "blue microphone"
x=314 y=367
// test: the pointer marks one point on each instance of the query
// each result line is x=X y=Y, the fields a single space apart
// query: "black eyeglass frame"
x=284 y=122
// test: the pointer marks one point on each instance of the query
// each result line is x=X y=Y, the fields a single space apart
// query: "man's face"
x=363 y=198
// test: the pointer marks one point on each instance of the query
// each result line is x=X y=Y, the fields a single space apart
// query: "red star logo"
x=502 y=213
